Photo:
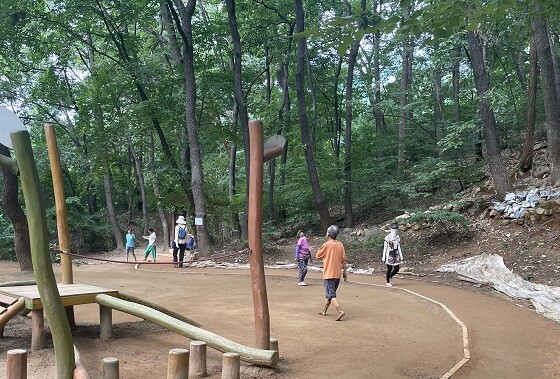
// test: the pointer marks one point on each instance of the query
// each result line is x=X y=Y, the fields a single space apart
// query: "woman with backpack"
x=392 y=253
x=179 y=241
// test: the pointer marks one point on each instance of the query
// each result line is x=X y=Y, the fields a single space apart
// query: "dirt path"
x=387 y=333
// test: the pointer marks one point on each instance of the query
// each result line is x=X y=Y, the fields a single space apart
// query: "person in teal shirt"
x=130 y=244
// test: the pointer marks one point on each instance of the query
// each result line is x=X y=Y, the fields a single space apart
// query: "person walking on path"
x=303 y=256
x=130 y=244
x=179 y=241
x=334 y=262
x=151 y=245
x=392 y=253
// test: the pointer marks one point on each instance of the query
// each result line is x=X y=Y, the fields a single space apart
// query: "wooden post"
x=274 y=345
x=37 y=329
x=178 y=364
x=61 y=213
x=105 y=322
x=248 y=354
x=16 y=364
x=42 y=265
x=197 y=362
x=80 y=371
x=60 y=202
x=254 y=223
x=230 y=366
x=110 y=368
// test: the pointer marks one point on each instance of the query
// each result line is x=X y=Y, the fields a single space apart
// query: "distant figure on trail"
x=179 y=241
x=303 y=256
x=130 y=244
x=334 y=262
x=151 y=244
x=392 y=253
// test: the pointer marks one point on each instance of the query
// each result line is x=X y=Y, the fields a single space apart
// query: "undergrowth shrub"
x=448 y=219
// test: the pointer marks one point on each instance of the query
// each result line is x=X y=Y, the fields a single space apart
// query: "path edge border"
x=464 y=330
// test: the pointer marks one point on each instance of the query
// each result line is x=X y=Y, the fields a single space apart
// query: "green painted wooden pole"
x=248 y=354
x=42 y=266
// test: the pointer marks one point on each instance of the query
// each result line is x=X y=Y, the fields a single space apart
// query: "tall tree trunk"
x=284 y=115
x=526 y=159
x=550 y=94
x=337 y=133
x=491 y=137
x=239 y=96
x=131 y=187
x=184 y=26
x=305 y=136
x=352 y=55
x=272 y=163
x=141 y=184
x=232 y=172
x=377 y=111
x=456 y=85
x=438 y=106
x=155 y=186
x=16 y=215
x=312 y=88
x=117 y=232
x=406 y=81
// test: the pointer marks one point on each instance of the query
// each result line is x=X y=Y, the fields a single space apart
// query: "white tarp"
x=490 y=269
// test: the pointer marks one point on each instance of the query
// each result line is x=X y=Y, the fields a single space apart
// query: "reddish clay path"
x=387 y=333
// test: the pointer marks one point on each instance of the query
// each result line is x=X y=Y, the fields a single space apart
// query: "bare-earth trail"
x=386 y=333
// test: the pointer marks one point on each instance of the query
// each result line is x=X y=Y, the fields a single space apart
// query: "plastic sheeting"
x=490 y=269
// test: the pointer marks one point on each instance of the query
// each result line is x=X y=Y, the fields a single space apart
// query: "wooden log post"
x=16 y=364
x=197 y=361
x=178 y=364
x=274 y=345
x=110 y=368
x=230 y=366
x=80 y=371
x=10 y=313
x=61 y=213
x=254 y=223
x=105 y=322
x=42 y=265
x=248 y=354
x=37 y=329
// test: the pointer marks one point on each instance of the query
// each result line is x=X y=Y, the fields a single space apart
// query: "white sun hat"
x=181 y=220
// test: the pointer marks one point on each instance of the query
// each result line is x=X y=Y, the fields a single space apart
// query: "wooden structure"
x=260 y=152
x=70 y=294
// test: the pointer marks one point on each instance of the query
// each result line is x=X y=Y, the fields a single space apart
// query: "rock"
x=494 y=213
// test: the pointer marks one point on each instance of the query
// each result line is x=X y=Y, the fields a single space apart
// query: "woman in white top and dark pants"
x=179 y=241
x=392 y=253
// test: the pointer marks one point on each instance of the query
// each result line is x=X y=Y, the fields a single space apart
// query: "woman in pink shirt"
x=303 y=256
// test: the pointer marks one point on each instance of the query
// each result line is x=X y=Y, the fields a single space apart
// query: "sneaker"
x=301 y=284
x=389 y=285
x=391 y=281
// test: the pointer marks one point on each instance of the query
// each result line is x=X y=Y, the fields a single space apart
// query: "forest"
x=385 y=106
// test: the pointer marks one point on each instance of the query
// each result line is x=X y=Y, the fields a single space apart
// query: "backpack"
x=190 y=243
x=182 y=233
